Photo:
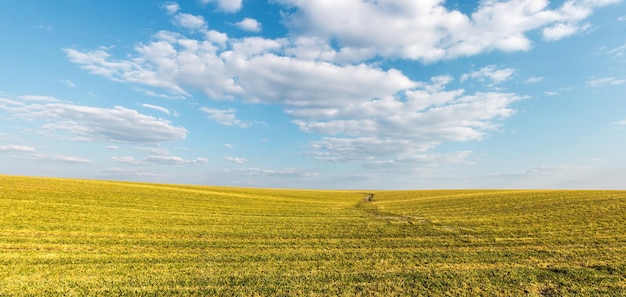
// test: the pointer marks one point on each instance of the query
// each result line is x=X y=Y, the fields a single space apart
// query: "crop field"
x=92 y=238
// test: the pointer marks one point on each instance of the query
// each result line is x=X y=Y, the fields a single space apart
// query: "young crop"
x=81 y=237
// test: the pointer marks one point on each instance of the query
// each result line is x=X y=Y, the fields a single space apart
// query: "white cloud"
x=247 y=48
x=191 y=22
x=127 y=160
x=542 y=170
x=69 y=83
x=551 y=93
x=157 y=108
x=174 y=160
x=118 y=124
x=361 y=111
x=338 y=149
x=274 y=79
x=36 y=98
x=44 y=27
x=403 y=129
x=9 y=104
x=96 y=62
x=492 y=73
x=225 y=5
x=619 y=123
x=154 y=150
x=172 y=62
x=428 y=31
x=171 y=8
x=158 y=156
x=274 y=172
x=313 y=49
x=216 y=37
x=224 y=117
x=16 y=148
x=130 y=172
x=618 y=51
x=29 y=154
x=236 y=160
x=249 y=24
x=561 y=30
x=112 y=147
x=604 y=81
x=358 y=105
x=420 y=162
x=152 y=93
x=533 y=79
x=58 y=158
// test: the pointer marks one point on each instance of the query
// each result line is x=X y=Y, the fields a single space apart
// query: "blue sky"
x=346 y=94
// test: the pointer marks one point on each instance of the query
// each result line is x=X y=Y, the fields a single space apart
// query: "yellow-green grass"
x=81 y=237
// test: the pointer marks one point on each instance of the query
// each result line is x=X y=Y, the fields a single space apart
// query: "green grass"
x=79 y=237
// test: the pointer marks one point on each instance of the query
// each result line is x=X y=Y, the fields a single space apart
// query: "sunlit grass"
x=80 y=237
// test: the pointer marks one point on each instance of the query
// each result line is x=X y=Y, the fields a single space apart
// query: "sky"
x=350 y=94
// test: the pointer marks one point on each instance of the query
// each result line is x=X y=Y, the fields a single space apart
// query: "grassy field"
x=79 y=237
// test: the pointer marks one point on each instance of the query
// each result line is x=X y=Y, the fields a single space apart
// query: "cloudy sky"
x=316 y=94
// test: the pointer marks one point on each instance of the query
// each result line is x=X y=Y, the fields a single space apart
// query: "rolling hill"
x=85 y=237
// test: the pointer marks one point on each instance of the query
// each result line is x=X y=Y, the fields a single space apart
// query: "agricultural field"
x=91 y=238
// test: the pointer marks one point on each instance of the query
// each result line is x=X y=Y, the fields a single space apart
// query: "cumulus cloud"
x=360 y=107
x=171 y=8
x=327 y=74
x=559 y=31
x=428 y=31
x=117 y=124
x=249 y=24
x=427 y=117
x=191 y=22
x=292 y=82
x=171 y=62
x=216 y=37
x=225 y=5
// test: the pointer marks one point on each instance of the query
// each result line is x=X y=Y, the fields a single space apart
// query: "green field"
x=79 y=237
